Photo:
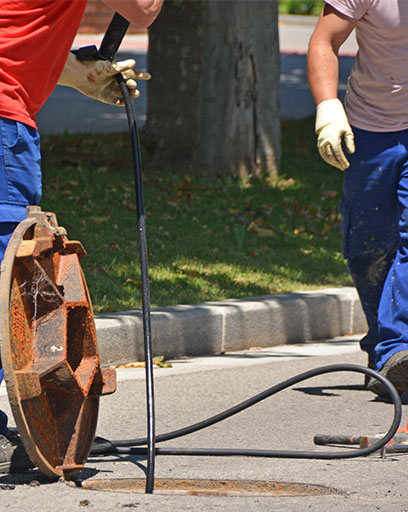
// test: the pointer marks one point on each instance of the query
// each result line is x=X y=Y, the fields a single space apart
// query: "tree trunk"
x=213 y=101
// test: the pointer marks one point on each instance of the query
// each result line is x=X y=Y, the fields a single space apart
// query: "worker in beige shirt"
x=368 y=139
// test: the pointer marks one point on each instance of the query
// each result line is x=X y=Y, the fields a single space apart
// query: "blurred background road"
x=68 y=110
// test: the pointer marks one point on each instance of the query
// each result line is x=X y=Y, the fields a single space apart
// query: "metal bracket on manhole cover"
x=205 y=487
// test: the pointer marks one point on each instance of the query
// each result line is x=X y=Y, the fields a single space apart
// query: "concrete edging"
x=217 y=327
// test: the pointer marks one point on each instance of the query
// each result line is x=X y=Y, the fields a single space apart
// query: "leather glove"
x=96 y=78
x=332 y=128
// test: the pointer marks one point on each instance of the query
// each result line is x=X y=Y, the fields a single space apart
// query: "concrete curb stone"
x=218 y=327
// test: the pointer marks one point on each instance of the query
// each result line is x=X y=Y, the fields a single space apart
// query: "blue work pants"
x=20 y=186
x=375 y=237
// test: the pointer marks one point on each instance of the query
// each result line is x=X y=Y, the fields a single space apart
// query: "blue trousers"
x=20 y=186
x=375 y=237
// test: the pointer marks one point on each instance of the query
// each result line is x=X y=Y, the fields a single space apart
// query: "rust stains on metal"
x=49 y=347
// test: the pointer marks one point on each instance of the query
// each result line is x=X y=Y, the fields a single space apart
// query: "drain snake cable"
x=134 y=446
x=101 y=446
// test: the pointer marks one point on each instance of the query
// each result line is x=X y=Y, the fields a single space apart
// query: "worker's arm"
x=141 y=12
x=332 y=29
x=332 y=126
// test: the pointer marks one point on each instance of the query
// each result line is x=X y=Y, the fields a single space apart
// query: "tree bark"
x=213 y=101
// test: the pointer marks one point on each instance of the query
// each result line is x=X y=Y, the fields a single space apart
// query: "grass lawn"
x=207 y=240
x=303 y=7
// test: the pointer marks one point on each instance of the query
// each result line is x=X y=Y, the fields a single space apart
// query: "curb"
x=231 y=325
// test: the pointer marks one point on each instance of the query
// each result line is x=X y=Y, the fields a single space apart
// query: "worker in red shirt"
x=35 y=42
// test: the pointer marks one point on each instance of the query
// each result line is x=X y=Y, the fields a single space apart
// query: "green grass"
x=207 y=241
x=305 y=7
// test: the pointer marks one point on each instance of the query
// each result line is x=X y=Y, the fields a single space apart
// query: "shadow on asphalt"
x=32 y=478
x=329 y=390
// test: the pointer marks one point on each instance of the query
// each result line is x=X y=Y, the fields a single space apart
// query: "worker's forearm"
x=323 y=71
x=72 y=67
x=141 y=12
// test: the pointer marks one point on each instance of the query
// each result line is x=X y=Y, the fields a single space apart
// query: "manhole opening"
x=210 y=487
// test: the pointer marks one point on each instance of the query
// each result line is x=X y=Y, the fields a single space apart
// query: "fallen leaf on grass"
x=189 y=271
x=261 y=232
x=330 y=194
x=99 y=219
x=134 y=281
x=69 y=184
x=255 y=223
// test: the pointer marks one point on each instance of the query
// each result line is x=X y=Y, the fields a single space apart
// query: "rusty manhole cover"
x=48 y=345
x=196 y=487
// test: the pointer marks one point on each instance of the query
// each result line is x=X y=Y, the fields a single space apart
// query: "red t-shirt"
x=35 y=39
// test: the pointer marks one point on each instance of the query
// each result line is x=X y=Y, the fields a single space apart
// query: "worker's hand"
x=96 y=78
x=332 y=128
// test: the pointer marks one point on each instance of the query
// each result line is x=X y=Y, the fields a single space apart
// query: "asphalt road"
x=195 y=389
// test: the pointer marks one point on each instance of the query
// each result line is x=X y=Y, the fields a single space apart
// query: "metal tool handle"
x=110 y=43
x=113 y=37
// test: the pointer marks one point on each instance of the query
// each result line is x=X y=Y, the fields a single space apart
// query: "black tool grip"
x=113 y=37
x=110 y=42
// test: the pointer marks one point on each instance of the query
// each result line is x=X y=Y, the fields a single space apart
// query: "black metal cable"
x=107 y=51
x=151 y=441
x=131 y=446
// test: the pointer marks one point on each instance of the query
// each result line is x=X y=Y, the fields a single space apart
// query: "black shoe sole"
x=396 y=373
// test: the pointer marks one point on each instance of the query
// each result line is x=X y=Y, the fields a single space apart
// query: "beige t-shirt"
x=377 y=94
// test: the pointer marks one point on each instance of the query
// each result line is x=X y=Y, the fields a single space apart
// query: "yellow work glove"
x=332 y=128
x=96 y=78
